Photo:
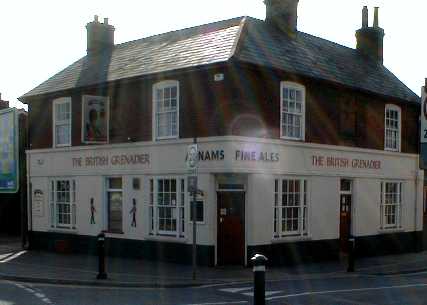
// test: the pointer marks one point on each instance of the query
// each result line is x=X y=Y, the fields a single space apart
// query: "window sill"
x=292 y=139
x=391 y=230
x=61 y=145
x=290 y=238
x=62 y=230
x=201 y=223
x=391 y=149
x=165 y=238
x=166 y=138
x=114 y=233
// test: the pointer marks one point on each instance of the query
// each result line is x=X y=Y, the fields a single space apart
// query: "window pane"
x=115 y=183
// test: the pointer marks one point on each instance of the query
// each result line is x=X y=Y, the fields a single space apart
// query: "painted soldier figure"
x=133 y=212
x=92 y=212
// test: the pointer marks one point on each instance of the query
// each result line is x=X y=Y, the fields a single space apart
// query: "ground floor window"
x=115 y=205
x=167 y=206
x=391 y=205
x=290 y=207
x=63 y=203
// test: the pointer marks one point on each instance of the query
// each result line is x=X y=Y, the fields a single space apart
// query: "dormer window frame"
x=286 y=96
x=163 y=86
x=388 y=128
x=55 y=104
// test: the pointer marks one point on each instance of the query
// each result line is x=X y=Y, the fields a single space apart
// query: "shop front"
x=292 y=201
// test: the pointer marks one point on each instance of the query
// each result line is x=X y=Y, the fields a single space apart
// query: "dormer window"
x=166 y=110
x=292 y=110
x=392 y=128
x=62 y=122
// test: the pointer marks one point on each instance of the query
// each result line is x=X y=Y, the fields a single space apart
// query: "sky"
x=40 y=38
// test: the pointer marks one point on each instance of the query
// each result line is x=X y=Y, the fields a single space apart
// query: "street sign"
x=192 y=184
x=192 y=157
x=9 y=161
x=423 y=115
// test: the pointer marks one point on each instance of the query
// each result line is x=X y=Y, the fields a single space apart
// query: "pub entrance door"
x=345 y=213
x=231 y=228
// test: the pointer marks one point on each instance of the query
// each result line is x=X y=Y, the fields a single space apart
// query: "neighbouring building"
x=13 y=189
x=423 y=155
x=302 y=143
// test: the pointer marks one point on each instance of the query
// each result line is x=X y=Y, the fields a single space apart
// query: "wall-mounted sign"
x=38 y=203
x=9 y=147
x=341 y=162
x=95 y=119
x=115 y=160
x=423 y=116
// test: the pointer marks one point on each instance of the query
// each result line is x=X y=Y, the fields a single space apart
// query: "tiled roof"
x=214 y=43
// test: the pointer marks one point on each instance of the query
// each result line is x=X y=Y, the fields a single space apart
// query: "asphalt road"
x=353 y=290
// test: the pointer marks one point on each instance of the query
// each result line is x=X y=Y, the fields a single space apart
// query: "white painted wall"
x=295 y=161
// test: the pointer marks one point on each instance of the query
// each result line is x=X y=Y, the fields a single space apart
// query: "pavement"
x=72 y=269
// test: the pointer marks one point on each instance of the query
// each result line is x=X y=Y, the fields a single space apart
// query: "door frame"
x=244 y=191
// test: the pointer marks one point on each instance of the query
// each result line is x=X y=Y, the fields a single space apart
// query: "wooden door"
x=345 y=221
x=231 y=228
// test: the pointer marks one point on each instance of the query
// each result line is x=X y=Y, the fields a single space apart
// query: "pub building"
x=302 y=144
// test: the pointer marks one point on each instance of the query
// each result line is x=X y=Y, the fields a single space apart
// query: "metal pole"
x=259 y=261
x=102 y=275
x=351 y=258
x=194 y=211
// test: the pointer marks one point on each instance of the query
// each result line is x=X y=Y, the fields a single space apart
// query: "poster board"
x=423 y=130
x=95 y=119
x=9 y=148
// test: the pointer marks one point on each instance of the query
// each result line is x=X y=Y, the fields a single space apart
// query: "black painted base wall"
x=150 y=250
x=292 y=253
x=279 y=254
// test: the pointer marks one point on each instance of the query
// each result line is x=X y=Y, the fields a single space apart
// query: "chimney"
x=3 y=104
x=370 y=39
x=100 y=36
x=283 y=15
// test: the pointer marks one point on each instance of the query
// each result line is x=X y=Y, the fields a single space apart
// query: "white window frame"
x=56 y=103
x=301 y=88
x=107 y=207
x=53 y=204
x=399 y=204
x=180 y=207
x=304 y=200
x=392 y=107
x=161 y=86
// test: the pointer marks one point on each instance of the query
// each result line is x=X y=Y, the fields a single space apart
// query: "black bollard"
x=351 y=254
x=259 y=261
x=102 y=275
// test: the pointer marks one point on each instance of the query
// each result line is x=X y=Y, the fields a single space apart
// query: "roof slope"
x=318 y=58
x=202 y=45
x=214 y=43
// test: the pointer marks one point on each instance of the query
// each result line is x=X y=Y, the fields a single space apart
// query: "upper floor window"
x=166 y=109
x=62 y=122
x=292 y=111
x=392 y=127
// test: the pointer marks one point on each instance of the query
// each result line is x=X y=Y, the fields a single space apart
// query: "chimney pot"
x=365 y=17
x=95 y=18
x=376 y=21
x=100 y=36
x=370 y=40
